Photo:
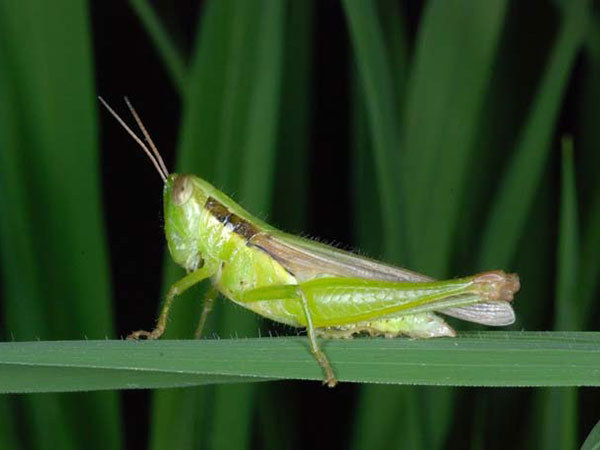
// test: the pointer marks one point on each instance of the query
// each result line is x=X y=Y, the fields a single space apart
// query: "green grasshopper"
x=302 y=283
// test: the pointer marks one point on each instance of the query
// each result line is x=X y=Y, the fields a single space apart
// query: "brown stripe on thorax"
x=229 y=219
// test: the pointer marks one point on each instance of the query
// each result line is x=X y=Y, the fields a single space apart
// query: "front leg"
x=176 y=289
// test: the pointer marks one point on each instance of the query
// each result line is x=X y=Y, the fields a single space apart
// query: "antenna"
x=155 y=158
x=147 y=136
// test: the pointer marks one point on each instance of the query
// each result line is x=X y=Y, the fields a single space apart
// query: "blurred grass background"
x=429 y=135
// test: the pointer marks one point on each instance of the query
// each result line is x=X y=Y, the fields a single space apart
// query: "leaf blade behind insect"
x=513 y=200
x=227 y=137
x=382 y=113
x=170 y=54
x=198 y=137
x=592 y=441
x=54 y=111
x=234 y=405
x=378 y=37
x=558 y=424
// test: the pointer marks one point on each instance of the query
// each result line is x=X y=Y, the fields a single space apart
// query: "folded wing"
x=307 y=259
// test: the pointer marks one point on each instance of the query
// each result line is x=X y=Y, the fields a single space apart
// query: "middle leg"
x=209 y=300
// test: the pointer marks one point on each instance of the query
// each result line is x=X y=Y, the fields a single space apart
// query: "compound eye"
x=182 y=190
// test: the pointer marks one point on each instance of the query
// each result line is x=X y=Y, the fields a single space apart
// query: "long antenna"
x=161 y=169
x=147 y=136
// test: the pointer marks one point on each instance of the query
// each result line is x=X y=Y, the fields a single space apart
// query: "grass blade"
x=234 y=405
x=378 y=96
x=170 y=54
x=452 y=69
x=592 y=442
x=455 y=49
x=21 y=285
x=237 y=145
x=513 y=202
x=589 y=144
x=590 y=257
x=473 y=359
x=291 y=194
x=57 y=131
x=373 y=429
x=567 y=312
x=559 y=406
x=382 y=112
x=367 y=226
x=199 y=137
x=261 y=129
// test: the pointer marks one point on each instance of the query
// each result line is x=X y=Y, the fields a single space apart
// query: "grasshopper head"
x=183 y=206
x=184 y=197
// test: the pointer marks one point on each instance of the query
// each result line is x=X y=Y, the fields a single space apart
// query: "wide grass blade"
x=54 y=112
x=233 y=98
x=454 y=52
x=21 y=279
x=472 y=359
x=291 y=191
x=381 y=62
x=516 y=193
x=234 y=405
x=199 y=136
x=451 y=71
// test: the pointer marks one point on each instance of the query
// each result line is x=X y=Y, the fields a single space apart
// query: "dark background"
x=126 y=63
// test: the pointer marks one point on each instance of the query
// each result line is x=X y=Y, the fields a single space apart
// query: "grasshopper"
x=303 y=283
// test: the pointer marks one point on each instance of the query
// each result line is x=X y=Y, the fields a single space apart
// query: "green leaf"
x=51 y=97
x=290 y=200
x=21 y=286
x=234 y=97
x=472 y=359
x=559 y=406
x=382 y=113
x=590 y=258
x=590 y=161
x=170 y=428
x=521 y=179
x=592 y=442
x=455 y=50
x=381 y=61
x=199 y=137
x=567 y=311
x=169 y=53
x=373 y=429
x=234 y=405
x=368 y=224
